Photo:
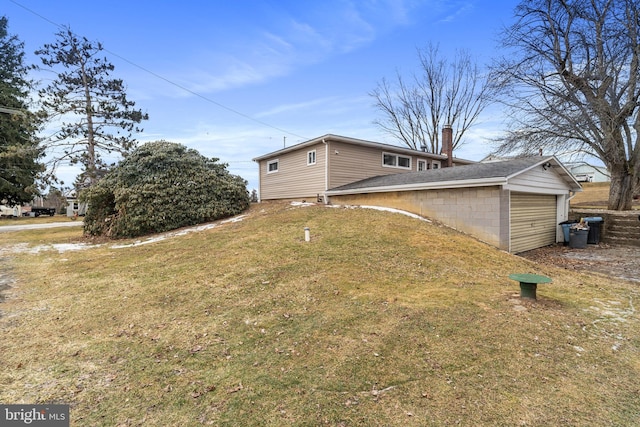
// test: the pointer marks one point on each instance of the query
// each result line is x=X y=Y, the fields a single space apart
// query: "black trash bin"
x=594 y=223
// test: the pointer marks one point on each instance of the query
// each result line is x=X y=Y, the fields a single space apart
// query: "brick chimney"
x=447 y=144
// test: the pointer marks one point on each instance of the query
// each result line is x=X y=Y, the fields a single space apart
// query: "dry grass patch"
x=11 y=242
x=594 y=195
x=379 y=320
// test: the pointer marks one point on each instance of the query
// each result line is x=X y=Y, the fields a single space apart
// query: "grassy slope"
x=379 y=320
x=593 y=194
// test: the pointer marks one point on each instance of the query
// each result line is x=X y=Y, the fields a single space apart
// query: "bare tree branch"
x=444 y=92
x=570 y=79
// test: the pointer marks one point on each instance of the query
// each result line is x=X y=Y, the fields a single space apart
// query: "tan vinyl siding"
x=339 y=161
x=294 y=178
x=349 y=163
x=533 y=221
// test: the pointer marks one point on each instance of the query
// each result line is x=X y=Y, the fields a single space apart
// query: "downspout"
x=573 y=194
x=259 y=183
x=326 y=171
x=568 y=202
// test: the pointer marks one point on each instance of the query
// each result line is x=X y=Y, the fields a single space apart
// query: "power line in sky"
x=158 y=76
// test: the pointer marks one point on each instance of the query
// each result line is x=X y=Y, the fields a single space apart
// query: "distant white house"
x=11 y=211
x=582 y=172
x=74 y=206
x=589 y=173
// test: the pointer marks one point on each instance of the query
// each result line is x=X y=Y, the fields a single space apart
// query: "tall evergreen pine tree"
x=96 y=117
x=19 y=151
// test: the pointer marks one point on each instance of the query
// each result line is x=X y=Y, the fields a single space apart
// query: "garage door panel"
x=533 y=221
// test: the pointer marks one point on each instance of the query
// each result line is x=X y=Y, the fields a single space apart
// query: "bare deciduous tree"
x=445 y=92
x=571 y=80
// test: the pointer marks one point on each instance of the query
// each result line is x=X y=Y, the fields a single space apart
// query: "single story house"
x=306 y=171
x=515 y=205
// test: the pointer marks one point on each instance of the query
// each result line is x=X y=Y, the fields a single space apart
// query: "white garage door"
x=533 y=221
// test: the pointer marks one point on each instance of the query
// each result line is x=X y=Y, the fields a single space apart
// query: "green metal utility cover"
x=530 y=278
x=529 y=283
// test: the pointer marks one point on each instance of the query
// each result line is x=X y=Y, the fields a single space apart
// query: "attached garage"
x=515 y=205
x=533 y=221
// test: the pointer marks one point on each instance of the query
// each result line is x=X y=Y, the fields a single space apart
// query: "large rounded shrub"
x=162 y=186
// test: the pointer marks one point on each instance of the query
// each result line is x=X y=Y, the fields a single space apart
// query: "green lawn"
x=380 y=319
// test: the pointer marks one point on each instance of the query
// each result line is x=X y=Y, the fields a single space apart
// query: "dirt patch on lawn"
x=620 y=262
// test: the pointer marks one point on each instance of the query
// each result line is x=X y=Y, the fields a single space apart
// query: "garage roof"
x=474 y=175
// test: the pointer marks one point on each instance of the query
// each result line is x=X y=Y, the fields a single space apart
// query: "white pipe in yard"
x=307 y=234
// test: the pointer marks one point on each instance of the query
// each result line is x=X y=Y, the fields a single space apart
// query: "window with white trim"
x=422 y=165
x=388 y=159
x=396 y=161
x=435 y=165
x=404 y=162
x=273 y=166
x=311 y=157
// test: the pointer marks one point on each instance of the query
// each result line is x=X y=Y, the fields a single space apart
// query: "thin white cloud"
x=277 y=42
x=278 y=49
x=456 y=9
x=235 y=73
x=331 y=105
x=296 y=107
x=303 y=34
x=354 y=29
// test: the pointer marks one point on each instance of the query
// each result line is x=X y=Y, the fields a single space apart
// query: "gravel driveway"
x=22 y=227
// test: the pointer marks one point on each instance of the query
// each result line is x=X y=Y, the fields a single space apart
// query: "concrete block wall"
x=481 y=211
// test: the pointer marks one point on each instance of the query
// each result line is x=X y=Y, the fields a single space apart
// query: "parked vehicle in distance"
x=37 y=211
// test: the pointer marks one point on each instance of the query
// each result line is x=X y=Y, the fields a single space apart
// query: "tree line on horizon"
x=568 y=79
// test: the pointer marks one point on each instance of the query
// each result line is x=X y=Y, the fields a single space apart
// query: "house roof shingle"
x=477 y=173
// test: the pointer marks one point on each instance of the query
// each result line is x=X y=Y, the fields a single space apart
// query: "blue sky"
x=237 y=77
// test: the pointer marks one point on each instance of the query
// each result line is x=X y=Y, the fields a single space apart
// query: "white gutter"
x=361 y=143
x=423 y=186
x=326 y=170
